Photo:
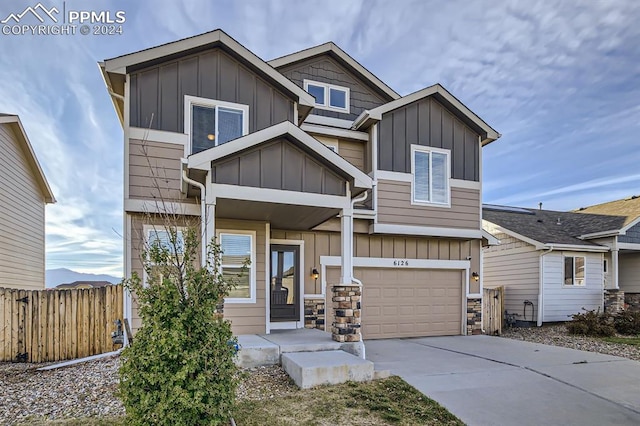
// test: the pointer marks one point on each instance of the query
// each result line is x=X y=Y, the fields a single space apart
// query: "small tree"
x=179 y=369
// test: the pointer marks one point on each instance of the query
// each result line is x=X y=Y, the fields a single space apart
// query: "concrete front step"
x=309 y=369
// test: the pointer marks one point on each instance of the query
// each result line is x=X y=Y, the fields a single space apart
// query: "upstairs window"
x=574 y=270
x=328 y=96
x=211 y=123
x=430 y=169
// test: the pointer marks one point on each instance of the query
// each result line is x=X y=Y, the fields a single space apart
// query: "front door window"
x=285 y=283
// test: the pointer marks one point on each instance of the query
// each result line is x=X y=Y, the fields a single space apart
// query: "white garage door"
x=408 y=302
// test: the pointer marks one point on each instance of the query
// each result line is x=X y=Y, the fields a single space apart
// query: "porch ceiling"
x=283 y=216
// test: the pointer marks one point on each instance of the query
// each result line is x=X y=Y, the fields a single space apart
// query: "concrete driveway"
x=496 y=381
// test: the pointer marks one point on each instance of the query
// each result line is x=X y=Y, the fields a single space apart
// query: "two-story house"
x=24 y=193
x=317 y=172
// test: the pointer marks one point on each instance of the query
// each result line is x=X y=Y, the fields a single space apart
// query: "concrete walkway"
x=496 y=381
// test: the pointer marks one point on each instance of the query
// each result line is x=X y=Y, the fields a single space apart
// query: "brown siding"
x=351 y=150
x=154 y=171
x=278 y=165
x=157 y=93
x=394 y=207
x=21 y=218
x=325 y=69
x=426 y=122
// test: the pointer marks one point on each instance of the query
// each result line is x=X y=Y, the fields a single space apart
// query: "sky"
x=560 y=80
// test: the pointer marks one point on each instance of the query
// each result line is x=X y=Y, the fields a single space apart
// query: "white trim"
x=190 y=101
x=465 y=184
x=339 y=53
x=162 y=136
x=266 y=195
x=429 y=150
x=630 y=225
x=628 y=246
x=384 y=262
x=252 y=268
x=299 y=243
x=267 y=277
x=285 y=325
x=364 y=214
x=430 y=231
x=611 y=233
x=537 y=244
x=573 y=284
x=202 y=160
x=328 y=121
x=394 y=176
x=578 y=248
x=492 y=241
x=127 y=134
x=127 y=299
x=332 y=131
x=327 y=87
x=119 y=64
x=147 y=206
x=333 y=146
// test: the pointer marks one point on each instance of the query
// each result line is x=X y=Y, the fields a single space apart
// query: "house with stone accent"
x=24 y=193
x=556 y=264
x=359 y=209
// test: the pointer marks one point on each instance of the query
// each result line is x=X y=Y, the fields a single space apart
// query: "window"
x=430 y=169
x=237 y=248
x=574 y=270
x=328 y=96
x=605 y=266
x=211 y=123
x=162 y=238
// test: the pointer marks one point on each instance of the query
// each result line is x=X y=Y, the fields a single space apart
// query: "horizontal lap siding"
x=629 y=276
x=560 y=302
x=21 y=218
x=394 y=207
x=155 y=171
x=631 y=236
x=353 y=152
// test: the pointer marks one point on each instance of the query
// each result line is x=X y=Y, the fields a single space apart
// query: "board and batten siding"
x=21 y=218
x=325 y=69
x=394 y=207
x=157 y=92
x=321 y=243
x=154 y=171
x=515 y=265
x=560 y=301
x=426 y=122
x=629 y=277
x=631 y=236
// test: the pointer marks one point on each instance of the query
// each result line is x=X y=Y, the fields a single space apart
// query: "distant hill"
x=59 y=276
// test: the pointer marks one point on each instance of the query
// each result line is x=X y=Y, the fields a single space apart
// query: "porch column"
x=614 y=264
x=346 y=230
x=210 y=220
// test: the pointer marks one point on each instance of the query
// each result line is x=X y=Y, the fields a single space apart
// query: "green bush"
x=179 y=369
x=627 y=322
x=591 y=323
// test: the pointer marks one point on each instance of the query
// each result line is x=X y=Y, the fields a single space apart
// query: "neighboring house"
x=317 y=172
x=623 y=260
x=547 y=261
x=24 y=191
x=83 y=285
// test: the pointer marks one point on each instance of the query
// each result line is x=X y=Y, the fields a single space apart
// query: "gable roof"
x=112 y=69
x=629 y=208
x=23 y=140
x=367 y=118
x=547 y=227
x=343 y=58
x=202 y=160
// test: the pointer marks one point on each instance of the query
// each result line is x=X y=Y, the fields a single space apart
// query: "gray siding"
x=159 y=91
x=629 y=272
x=278 y=165
x=426 y=122
x=632 y=235
x=394 y=206
x=325 y=69
x=21 y=218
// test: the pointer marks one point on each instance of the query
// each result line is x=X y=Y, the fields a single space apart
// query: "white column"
x=614 y=267
x=346 y=231
x=210 y=215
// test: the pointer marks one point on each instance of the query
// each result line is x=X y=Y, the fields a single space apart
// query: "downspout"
x=541 y=285
x=203 y=214
x=354 y=279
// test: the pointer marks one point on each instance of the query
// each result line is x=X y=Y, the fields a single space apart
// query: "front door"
x=285 y=283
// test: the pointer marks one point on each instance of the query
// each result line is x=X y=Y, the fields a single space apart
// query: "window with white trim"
x=238 y=264
x=211 y=123
x=162 y=238
x=430 y=168
x=574 y=270
x=328 y=96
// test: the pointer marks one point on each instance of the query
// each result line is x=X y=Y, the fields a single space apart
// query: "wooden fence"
x=54 y=325
x=493 y=310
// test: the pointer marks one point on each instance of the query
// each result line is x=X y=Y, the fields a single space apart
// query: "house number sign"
x=400 y=262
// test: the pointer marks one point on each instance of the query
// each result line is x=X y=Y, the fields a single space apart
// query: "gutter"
x=541 y=285
x=203 y=215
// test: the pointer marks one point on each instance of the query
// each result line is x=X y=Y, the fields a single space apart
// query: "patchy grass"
x=633 y=341
x=382 y=402
x=84 y=421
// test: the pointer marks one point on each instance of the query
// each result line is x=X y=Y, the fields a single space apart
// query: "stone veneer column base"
x=346 y=310
x=632 y=301
x=474 y=316
x=314 y=313
x=613 y=301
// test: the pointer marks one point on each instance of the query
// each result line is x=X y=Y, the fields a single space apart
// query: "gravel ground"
x=557 y=335
x=88 y=389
